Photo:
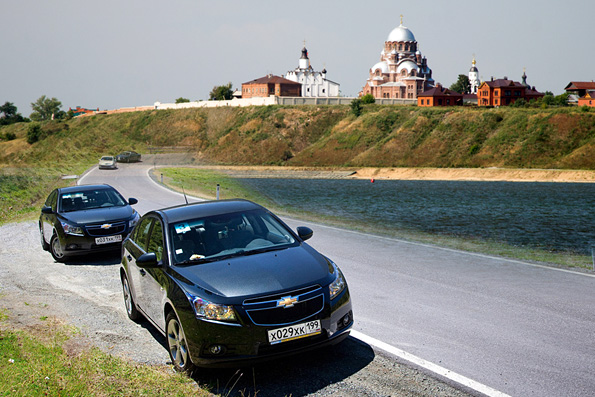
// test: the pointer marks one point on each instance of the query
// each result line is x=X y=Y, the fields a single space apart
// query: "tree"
x=462 y=86
x=356 y=107
x=182 y=100
x=9 y=115
x=221 y=92
x=45 y=108
x=368 y=98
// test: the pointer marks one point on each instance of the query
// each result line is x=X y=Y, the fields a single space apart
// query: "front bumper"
x=248 y=344
x=81 y=245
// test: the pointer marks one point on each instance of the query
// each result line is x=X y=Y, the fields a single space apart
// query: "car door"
x=133 y=249
x=153 y=280
x=48 y=220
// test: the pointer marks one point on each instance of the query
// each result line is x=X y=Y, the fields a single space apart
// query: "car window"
x=91 y=199
x=52 y=200
x=141 y=233
x=156 y=240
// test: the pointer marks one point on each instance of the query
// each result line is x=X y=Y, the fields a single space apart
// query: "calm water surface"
x=551 y=216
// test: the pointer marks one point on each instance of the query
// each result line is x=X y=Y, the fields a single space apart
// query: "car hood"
x=260 y=273
x=99 y=215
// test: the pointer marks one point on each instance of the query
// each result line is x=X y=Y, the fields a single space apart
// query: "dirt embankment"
x=444 y=174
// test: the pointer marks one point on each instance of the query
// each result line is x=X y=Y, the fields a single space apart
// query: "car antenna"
x=185 y=198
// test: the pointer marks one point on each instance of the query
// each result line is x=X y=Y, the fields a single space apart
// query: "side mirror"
x=304 y=232
x=147 y=261
x=132 y=201
x=46 y=210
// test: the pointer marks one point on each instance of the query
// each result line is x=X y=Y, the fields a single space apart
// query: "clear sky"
x=119 y=53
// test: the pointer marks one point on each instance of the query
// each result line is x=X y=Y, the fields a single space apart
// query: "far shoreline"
x=492 y=174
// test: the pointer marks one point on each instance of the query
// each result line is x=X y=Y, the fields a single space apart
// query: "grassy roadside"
x=42 y=361
x=23 y=190
x=202 y=183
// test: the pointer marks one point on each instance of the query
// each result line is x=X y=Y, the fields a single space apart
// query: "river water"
x=549 y=216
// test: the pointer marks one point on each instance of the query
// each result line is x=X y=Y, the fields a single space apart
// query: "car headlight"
x=72 y=229
x=213 y=311
x=337 y=286
x=132 y=223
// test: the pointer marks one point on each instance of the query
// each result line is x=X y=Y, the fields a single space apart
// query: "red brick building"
x=271 y=85
x=439 y=96
x=588 y=99
x=504 y=92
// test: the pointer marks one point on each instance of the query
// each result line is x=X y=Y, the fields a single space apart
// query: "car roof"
x=84 y=188
x=205 y=209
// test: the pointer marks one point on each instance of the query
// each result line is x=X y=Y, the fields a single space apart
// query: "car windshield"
x=91 y=199
x=235 y=234
x=107 y=158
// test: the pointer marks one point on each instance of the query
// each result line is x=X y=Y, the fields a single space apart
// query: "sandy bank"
x=445 y=174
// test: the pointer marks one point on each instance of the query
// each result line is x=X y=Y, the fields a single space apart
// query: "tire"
x=56 y=249
x=45 y=246
x=131 y=309
x=177 y=345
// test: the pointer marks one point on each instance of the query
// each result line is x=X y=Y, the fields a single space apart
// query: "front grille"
x=98 y=231
x=266 y=312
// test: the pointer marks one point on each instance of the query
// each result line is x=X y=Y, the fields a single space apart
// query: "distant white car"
x=107 y=163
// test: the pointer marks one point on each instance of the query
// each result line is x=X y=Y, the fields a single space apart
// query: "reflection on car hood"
x=99 y=215
x=260 y=273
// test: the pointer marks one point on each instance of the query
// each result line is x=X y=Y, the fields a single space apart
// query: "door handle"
x=143 y=272
x=129 y=257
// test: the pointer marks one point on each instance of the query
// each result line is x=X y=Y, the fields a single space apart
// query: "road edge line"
x=420 y=362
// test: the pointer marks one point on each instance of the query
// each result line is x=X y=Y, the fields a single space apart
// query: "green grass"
x=36 y=362
x=24 y=190
x=203 y=183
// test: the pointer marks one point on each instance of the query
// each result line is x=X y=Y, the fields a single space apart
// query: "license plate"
x=294 y=332
x=108 y=239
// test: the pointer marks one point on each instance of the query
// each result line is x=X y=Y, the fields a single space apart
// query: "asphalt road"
x=513 y=327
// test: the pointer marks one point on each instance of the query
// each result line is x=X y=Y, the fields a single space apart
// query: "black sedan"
x=228 y=284
x=128 y=157
x=82 y=219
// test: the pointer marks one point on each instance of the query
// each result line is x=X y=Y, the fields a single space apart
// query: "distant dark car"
x=228 y=283
x=128 y=157
x=82 y=219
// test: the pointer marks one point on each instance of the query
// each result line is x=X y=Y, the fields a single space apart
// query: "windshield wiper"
x=265 y=249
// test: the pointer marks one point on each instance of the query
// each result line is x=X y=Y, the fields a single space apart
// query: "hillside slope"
x=383 y=136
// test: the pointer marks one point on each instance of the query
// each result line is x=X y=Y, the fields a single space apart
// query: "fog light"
x=71 y=247
x=346 y=320
x=216 y=349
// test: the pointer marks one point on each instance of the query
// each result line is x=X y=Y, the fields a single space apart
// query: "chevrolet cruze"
x=84 y=219
x=228 y=283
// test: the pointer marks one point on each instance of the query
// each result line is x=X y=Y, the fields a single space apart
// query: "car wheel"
x=177 y=346
x=56 y=249
x=44 y=245
x=131 y=309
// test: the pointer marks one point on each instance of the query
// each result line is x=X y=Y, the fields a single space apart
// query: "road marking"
x=441 y=371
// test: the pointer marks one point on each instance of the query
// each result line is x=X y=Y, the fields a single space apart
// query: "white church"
x=314 y=84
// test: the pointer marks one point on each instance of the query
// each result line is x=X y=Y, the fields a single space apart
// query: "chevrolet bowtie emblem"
x=286 y=302
x=106 y=225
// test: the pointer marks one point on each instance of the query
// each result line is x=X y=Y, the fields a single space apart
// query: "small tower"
x=304 y=62
x=473 y=77
x=524 y=76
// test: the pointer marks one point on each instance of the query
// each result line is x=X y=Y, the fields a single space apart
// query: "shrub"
x=33 y=133
x=367 y=99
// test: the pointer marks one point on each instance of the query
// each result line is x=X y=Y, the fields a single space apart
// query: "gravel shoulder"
x=87 y=294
